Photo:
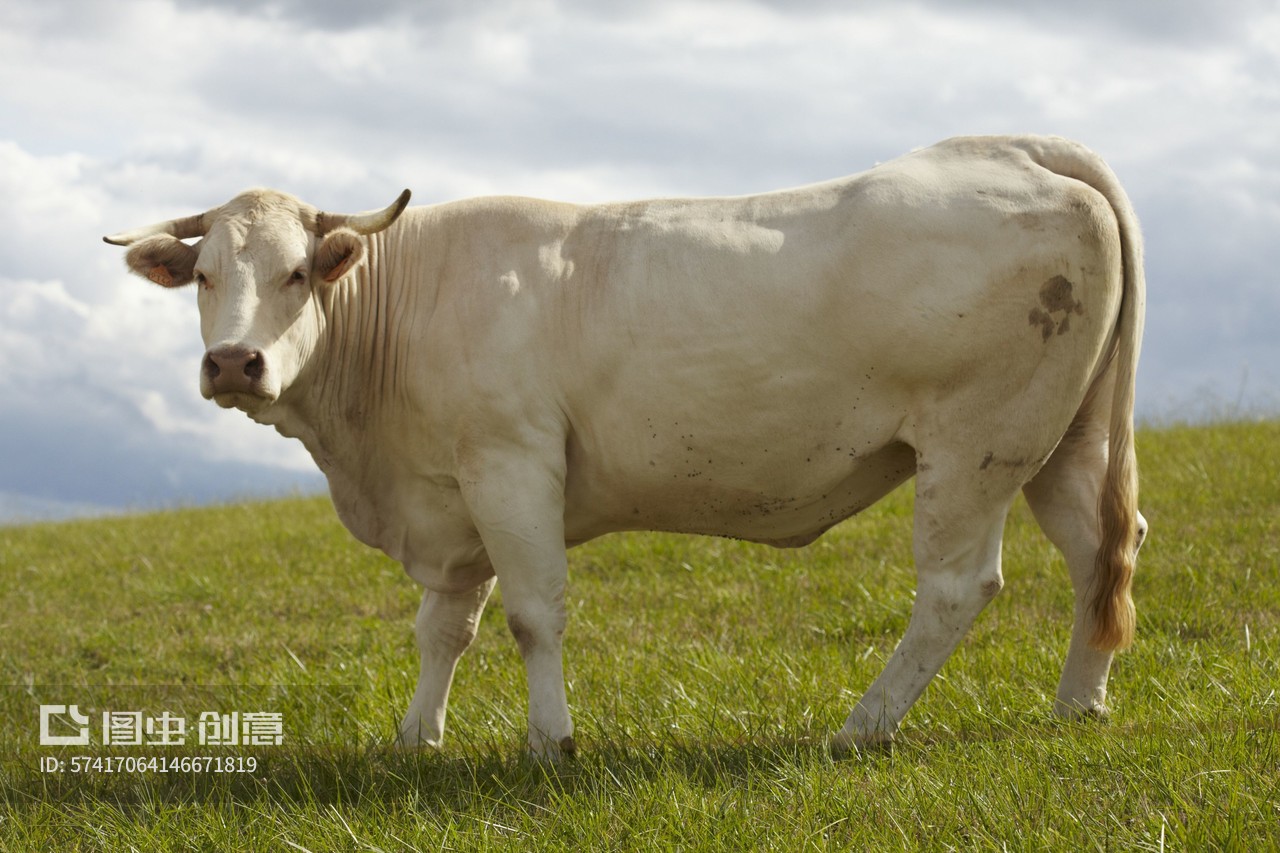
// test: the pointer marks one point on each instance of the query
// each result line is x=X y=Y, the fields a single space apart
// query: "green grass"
x=704 y=674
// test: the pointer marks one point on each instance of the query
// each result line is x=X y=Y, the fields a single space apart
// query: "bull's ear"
x=338 y=254
x=167 y=261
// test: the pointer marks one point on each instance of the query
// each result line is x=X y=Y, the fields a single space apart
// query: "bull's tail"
x=1112 y=603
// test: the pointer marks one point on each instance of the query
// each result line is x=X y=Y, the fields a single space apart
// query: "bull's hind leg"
x=445 y=627
x=959 y=525
x=1064 y=497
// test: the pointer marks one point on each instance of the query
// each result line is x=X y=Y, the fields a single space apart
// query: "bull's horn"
x=369 y=222
x=183 y=229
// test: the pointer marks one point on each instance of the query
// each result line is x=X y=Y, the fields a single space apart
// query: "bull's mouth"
x=245 y=401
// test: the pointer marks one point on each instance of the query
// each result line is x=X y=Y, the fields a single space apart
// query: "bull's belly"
x=784 y=502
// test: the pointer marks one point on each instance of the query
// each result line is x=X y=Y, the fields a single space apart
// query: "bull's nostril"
x=211 y=368
x=254 y=367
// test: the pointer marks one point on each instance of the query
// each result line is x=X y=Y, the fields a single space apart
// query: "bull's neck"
x=370 y=321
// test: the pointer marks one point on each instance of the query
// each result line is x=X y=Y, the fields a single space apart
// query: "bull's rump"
x=760 y=367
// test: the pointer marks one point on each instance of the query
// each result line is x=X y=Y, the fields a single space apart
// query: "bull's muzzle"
x=233 y=370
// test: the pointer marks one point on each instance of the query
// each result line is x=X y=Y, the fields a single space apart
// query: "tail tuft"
x=1113 y=612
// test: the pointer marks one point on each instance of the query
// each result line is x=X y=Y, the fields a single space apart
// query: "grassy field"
x=705 y=676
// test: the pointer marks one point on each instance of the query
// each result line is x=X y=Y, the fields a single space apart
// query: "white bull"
x=487 y=382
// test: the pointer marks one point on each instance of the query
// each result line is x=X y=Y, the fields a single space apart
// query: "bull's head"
x=262 y=264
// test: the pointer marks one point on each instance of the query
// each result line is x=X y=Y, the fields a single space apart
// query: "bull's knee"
x=439 y=633
x=452 y=639
x=447 y=623
x=532 y=629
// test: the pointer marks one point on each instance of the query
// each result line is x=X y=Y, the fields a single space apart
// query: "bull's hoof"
x=420 y=746
x=412 y=739
x=1073 y=710
x=553 y=752
x=846 y=745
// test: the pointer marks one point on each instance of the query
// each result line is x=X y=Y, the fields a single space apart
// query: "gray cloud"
x=133 y=112
x=1189 y=22
x=114 y=458
x=1183 y=21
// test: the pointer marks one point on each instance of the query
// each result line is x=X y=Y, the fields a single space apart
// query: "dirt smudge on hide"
x=1057 y=297
x=1013 y=462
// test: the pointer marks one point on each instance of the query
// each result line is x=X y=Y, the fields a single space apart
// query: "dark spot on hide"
x=1057 y=296
x=986 y=461
x=1037 y=317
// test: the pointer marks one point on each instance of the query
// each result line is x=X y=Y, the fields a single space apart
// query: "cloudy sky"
x=117 y=114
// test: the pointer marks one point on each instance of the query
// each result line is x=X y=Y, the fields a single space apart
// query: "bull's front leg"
x=445 y=626
x=517 y=504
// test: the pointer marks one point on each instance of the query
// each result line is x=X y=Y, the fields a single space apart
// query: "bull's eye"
x=202 y=281
x=298 y=277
